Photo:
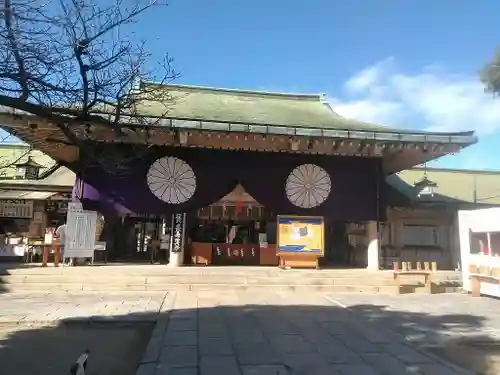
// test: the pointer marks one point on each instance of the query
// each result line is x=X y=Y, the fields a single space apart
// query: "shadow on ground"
x=51 y=349
x=7 y=267
x=297 y=339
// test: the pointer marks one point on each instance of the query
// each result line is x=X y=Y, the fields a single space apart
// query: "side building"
x=426 y=227
x=34 y=195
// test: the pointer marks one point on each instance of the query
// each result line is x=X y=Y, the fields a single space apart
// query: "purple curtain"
x=353 y=192
x=97 y=200
x=129 y=192
x=353 y=184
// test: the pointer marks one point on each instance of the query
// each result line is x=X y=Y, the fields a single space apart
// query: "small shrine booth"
x=287 y=154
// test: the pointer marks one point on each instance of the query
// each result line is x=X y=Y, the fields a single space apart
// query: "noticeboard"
x=301 y=234
x=80 y=232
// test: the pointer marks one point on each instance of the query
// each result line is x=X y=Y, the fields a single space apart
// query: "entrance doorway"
x=135 y=239
x=344 y=242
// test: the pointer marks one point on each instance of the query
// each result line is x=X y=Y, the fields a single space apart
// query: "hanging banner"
x=235 y=254
x=178 y=232
x=16 y=208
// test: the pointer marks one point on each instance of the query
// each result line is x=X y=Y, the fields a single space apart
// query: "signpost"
x=300 y=241
x=80 y=232
x=177 y=239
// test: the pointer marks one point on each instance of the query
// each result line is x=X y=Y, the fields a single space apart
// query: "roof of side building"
x=453 y=185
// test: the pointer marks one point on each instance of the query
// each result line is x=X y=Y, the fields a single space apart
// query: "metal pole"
x=488 y=237
x=379 y=242
x=474 y=189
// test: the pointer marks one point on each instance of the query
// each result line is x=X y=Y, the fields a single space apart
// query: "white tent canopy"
x=484 y=257
x=484 y=220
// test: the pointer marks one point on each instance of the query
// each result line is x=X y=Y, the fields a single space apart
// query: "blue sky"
x=407 y=63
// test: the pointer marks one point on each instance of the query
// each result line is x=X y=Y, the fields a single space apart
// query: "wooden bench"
x=298 y=260
x=408 y=271
x=476 y=279
x=482 y=274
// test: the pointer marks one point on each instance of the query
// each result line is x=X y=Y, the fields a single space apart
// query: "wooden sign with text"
x=244 y=254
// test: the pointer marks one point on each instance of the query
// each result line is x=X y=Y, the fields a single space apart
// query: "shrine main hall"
x=227 y=163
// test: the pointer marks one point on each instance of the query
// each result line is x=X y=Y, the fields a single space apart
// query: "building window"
x=485 y=243
x=478 y=242
x=421 y=235
x=495 y=243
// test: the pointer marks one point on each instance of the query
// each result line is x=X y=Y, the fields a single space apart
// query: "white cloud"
x=383 y=112
x=431 y=99
x=369 y=78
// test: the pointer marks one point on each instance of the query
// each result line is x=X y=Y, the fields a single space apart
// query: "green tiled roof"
x=264 y=108
x=61 y=176
x=453 y=186
x=12 y=153
x=228 y=110
x=253 y=107
x=57 y=177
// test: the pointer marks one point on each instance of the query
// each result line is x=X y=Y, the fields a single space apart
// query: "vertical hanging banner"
x=178 y=232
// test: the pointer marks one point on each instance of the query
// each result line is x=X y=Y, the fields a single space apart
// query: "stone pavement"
x=51 y=307
x=418 y=316
x=250 y=333
x=463 y=329
x=277 y=333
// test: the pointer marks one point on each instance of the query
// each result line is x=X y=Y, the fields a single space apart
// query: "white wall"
x=483 y=220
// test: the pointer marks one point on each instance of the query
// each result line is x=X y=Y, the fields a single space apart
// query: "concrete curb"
x=151 y=355
x=79 y=321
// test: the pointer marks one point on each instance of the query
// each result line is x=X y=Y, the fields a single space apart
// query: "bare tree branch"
x=72 y=62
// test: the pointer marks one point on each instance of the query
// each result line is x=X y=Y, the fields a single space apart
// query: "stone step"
x=54 y=287
x=161 y=278
x=160 y=270
x=211 y=280
x=197 y=280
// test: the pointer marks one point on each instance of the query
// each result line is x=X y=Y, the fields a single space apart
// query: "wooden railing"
x=484 y=279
